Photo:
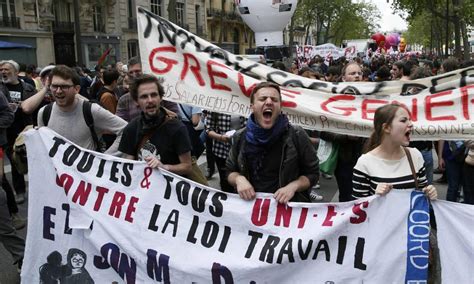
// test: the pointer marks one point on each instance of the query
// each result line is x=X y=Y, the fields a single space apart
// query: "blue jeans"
x=428 y=157
x=455 y=180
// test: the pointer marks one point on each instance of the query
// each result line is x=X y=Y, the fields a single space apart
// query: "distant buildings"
x=71 y=31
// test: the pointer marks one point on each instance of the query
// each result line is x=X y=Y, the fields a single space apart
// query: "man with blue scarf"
x=270 y=155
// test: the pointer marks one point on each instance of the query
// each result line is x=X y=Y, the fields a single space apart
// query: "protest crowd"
x=118 y=110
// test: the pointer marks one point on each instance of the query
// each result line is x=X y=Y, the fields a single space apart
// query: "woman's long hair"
x=384 y=115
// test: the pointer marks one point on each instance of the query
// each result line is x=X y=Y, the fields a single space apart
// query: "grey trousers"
x=12 y=242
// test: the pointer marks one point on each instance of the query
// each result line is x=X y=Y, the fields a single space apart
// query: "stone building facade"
x=225 y=27
x=80 y=31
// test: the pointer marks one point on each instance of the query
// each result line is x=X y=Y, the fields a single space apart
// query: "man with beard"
x=271 y=155
x=153 y=136
x=16 y=91
x=127 y=107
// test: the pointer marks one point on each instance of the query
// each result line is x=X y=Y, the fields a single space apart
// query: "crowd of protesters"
x=120 y=110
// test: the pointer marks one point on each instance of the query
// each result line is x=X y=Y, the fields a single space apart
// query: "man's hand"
x=383 y=188
x=286 y=193
x=153 y=162
x=244 y=188
x=430 y=192
x=441 y=164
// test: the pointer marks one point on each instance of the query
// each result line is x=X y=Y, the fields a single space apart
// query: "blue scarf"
x=260 y=139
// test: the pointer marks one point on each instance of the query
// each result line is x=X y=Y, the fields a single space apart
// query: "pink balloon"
x=392 y=40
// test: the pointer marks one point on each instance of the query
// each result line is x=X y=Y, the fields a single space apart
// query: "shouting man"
x=270 y=155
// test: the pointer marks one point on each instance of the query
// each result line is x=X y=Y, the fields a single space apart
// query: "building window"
x=156 y=7
x=8 y=14
x=199 y=29
x=132 y=47
x=213 y=33
x=98 y=19
x=7 y=8
x=131 y=8
x=225 y=39
x=180 y=14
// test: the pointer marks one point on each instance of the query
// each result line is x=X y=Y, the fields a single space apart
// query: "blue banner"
x=418 y=241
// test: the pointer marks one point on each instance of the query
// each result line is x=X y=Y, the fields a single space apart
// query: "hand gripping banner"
x=94 y=218
x=199 y=73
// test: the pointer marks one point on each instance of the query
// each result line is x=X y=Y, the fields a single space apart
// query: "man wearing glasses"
x=67 y=117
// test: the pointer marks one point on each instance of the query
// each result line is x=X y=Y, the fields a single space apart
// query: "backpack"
x=19 y=158
x=87 y=112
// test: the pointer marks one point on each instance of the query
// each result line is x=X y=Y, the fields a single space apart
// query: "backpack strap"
x=412 y=167
x=47 y=113
x=87 y=112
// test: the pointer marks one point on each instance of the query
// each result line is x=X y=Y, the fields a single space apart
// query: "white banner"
x=456 y=241
x=199 y=73
x=327 y=51
x=96 y=218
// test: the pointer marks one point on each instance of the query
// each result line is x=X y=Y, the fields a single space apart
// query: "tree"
x=458 y=13
x=337 y=20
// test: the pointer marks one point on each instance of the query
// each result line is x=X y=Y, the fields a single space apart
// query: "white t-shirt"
x=72 y=125
x=371 y=170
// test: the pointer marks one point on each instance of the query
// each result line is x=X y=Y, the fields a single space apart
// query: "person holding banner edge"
x=271 y=155
x=153 y=136
x=388 y=162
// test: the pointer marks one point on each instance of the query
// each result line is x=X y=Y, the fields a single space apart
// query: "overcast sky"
x=389 y=20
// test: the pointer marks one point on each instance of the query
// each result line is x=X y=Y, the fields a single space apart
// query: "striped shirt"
x=371 y=170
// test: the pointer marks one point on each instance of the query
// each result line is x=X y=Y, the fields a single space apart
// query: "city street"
x=9 y=275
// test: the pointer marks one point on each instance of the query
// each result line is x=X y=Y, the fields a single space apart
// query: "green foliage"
x=336 y=20
x=419 y=29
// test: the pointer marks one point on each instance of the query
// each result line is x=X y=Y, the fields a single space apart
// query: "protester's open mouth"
x=267 y=113
x=407 y=134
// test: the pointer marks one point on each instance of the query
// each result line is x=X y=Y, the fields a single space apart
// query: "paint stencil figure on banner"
x=216 y=80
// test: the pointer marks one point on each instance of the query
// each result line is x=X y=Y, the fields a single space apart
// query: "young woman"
x=386 y=166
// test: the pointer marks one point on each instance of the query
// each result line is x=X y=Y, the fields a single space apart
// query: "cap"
x=46 y=70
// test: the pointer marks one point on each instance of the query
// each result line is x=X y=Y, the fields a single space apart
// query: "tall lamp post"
x=77 y=27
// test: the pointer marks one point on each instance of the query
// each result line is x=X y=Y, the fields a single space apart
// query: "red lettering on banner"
x=359 y=212
x=82 y=193
x=414 y=109
x=366 y=110
x=116 y=206
x=101 y=191
x=429 y=105
x=260 y=212
x=283 y=212
x=65 y=181
x=212 y=74
x=330 y=214
x=465 y=101
x=195 y=69
x=346 y=110
x=168 y=61
x=242 y=87
x=131 y=209
x=84 y=189
x=304 y=213
x=288 y=104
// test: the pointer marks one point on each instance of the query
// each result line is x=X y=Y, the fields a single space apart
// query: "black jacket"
x=6 y=118
x=299 y=158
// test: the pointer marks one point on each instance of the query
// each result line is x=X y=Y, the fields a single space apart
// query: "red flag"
x=103 y=56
